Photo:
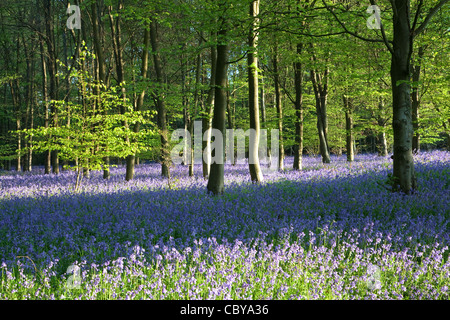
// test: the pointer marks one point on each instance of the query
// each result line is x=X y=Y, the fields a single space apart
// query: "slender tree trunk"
x=320 y=92
x=186 y=113
x=230 y=110
x=118 y=56
x=216 y=176
x=65 y=162
x=31 y=126
x=52 y=70
x=86 y=171
x=415 y=97
x=131 y=159
x=101 y=62
x=298 y=75
x=320 y=86
x=403 y=173
x=382 y=148
x=160 y=101
x=144 y=76
x=47 y=164
x=348 y=128
x=207 y=118
x=263 y=103
x=84 y=98
x=14 y=85
x=253 y=101
x=198 y=69
x=279 y=107
x=267 y=155
x=15 y=94
x=383 y=151
x=187 y=129
x=29 y=59
x=5 y=121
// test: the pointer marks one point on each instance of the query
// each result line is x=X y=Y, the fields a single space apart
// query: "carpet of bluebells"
x=327 y=232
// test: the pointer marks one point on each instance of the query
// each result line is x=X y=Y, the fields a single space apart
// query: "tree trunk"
x=196 y=104
x=5 y=122
x=279 y=108
x=98 y=40
x=47 y=164
x=86 y=171
x=382 y=142
x=206 y=119
x=118 y=56
x=403 y=173
x=216 y=176
x=320 y=86
x=15 y=94
x=29 y=93
x=253 y=101
x=31 y=126
x=131 y=159
x=186 y=115
x=321 y=92
x=266 y=155
x=348 y=128
x=160 y=102
x=298 y=75
x=415 y=97
x=52 y=70
x=65 y=162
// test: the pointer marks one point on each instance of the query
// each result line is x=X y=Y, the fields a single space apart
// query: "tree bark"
x=403 y=173
x=216 y=177
x=120 y=70
x=415 y=100
x=52 y=71
x=298 y=79
x=267 y=155
x=198 y=69
x=348 y=128
x=279 y=107
x=321 y=92
x=160 y=101
x=383 y=150
x=15 y=94
x=29 y=94
x=101 y=62
x=253 y=101
x=381 y=120
x=131 y=159
x=207 y=117
x=47 y=163
x=320 y=86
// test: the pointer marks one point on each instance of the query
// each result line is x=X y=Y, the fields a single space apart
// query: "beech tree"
x=216 y=175
x=406 y=26
x=253 y=100
x=93 y=134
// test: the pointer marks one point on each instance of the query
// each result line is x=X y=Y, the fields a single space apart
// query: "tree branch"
x=348 y=31
x=239 y=59
x=383 y=34
x=416 y=17
x=308 y=34
x=428 y=18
